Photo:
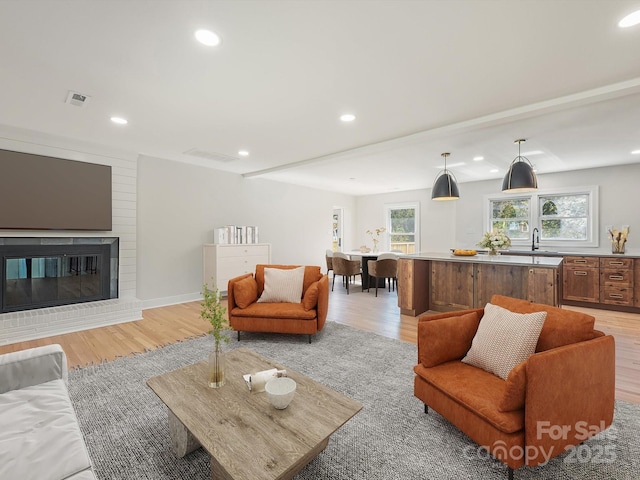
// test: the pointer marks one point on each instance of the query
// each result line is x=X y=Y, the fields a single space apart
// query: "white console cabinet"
x=222 y=262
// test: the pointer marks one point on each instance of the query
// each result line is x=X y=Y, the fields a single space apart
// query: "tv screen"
x=47 y=193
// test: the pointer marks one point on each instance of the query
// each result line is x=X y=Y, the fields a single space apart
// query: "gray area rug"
x=125 y=424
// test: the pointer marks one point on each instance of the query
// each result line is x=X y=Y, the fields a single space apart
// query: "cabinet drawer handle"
x=579 y=272
x=615 y=295
x=580 y=261
x=616 y=263
x=616 y=277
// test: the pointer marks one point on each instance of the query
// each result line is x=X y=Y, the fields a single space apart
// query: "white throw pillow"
x=504 y=339
x=282 y=285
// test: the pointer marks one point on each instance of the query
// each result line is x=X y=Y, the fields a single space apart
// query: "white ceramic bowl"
x=280 y=391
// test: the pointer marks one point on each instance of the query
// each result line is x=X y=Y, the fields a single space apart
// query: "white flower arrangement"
x=495 y=240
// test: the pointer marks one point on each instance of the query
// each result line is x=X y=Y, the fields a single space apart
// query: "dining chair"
x=347 y=268
x=386 y=268
x=329 y=258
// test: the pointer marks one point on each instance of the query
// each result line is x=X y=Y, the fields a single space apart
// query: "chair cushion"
x=504 y=339
x=479 y=391
x=284 y=311
x=447 y=338
x=562 y=327
x=245 y=292
x=282 y=285
x=40 y=437
x=310 y=298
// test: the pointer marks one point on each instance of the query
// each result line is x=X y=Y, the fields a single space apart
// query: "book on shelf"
x=231 y=234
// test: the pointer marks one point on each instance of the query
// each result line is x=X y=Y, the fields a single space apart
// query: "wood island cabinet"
x=451 y=286
x=413 y=279
x=636 y=288
x=442 y=284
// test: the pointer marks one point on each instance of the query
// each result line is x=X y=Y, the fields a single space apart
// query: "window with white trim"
x=563 y=217
x=403 y=227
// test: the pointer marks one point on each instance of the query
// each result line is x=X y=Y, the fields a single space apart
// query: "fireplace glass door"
x=51 y=280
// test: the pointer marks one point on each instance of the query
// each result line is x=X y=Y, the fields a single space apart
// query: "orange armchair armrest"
x=570 y=395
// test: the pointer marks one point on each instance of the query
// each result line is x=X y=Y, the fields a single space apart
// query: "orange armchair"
x=306 y=317
x=559 y=397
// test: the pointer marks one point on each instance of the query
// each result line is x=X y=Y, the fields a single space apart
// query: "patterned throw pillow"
x=282 y=285
x=504 y=339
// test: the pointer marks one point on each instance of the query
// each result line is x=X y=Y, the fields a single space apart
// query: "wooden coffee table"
x=246 y=437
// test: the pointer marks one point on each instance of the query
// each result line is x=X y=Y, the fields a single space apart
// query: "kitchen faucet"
x=535 y=238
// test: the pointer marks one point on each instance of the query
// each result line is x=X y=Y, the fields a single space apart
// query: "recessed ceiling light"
x=494 y=170
x=119 y=120
x=208 y=38
x=630 y=20
x=243 y=153
x=635 y=152
x=348 y=117
x=478 y=158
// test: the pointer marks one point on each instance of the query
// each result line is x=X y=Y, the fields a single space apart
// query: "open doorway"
x=337 y=229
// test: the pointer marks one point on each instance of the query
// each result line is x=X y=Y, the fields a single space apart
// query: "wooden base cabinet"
x=636 y=288
x=616 y=281
x=581 y=279
x=222 y=261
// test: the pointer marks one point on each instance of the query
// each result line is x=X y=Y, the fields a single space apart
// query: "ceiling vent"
x=218 y=157
x=77 y=99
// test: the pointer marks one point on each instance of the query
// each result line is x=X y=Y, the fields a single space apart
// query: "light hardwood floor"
x=362 y=310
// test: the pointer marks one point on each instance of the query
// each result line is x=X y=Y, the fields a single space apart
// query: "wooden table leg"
x=181 y=439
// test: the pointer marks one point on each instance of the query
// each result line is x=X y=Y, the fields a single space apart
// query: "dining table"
x=365 y=257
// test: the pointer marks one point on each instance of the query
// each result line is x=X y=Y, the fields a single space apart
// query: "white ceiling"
x=423 y=77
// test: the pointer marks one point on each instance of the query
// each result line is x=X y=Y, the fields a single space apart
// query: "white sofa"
x=40 y=437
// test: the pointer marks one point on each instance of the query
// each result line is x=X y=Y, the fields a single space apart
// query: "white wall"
x=437 y=219
x=460 y=224
x=179 y=205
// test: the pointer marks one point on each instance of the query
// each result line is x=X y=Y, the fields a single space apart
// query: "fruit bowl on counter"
x=463 y=253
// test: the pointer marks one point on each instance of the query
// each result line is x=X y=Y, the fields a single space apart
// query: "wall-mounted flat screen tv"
x=47 y=193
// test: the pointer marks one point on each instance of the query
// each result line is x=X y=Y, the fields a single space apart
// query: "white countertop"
x=522 y=260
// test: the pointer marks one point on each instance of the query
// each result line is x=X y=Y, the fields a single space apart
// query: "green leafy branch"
x=214 y=311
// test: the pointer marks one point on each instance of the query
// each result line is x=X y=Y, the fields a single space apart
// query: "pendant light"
x=445 y=186
x=520 y=176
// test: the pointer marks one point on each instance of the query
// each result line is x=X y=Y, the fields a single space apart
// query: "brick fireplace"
x=53 y=285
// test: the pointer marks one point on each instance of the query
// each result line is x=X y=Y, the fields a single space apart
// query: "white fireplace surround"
x=45 y=322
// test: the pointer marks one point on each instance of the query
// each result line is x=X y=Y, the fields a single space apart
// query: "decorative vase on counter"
x=493 y=252
x=375 y=245
x=216 y=367
x=617 y=248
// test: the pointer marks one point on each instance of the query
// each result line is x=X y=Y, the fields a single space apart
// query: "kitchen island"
x=446 y=282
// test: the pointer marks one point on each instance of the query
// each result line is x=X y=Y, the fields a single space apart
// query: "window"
x=566 y=217
x=512 y=217
x=403 y=228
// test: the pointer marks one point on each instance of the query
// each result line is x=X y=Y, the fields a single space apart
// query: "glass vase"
x=617 y=247
x=492 y=251
x=216 y=371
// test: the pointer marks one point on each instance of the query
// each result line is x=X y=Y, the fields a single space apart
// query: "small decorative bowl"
x=280 y=391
